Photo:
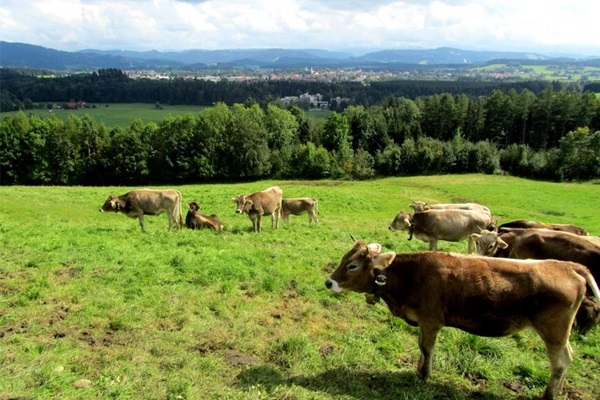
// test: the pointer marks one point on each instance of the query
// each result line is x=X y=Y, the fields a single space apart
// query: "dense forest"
x=550 y=133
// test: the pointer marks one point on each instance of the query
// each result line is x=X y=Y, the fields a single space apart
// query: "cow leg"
x=427 y=337
x=171 y=221
x=313 y=216
x=560 y=353
x=142 y=223
x=433 y=244
x=257 y=224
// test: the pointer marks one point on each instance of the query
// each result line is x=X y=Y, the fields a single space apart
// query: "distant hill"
x=31 y=56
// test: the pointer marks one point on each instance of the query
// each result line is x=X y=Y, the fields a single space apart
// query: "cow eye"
x=352 y=267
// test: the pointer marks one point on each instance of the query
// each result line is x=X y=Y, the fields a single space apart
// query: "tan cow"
x=450 y=224
x=195 y=220
x=527 y=224
x=137 y=203
x=480 y=295
x=299 y=206
x=543 y=244
x=420 y=206
x=267 y=202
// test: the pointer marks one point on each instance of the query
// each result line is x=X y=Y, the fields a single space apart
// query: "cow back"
x=449 y=224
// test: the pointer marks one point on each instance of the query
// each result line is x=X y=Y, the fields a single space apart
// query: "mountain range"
x=23 y=55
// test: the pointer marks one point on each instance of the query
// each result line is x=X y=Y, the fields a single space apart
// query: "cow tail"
x=589 y=278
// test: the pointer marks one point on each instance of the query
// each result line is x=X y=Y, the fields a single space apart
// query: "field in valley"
x=87 y=299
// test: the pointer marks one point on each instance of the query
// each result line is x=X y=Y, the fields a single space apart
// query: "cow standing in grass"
x=267 y=202
x=137 y=203
x=483 y=296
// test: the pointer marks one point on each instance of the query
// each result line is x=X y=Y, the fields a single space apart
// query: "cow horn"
x=353 y=238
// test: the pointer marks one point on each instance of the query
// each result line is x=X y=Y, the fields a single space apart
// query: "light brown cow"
x=299 y=206
x=267 y=202
x=137 y=203
x=420 y=206
x=543 y=244
x=481 y=295
x=527 y=224
x=195 y=220
x=450 y=225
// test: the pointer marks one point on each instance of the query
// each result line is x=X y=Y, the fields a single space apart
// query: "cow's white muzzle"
x=333 y=285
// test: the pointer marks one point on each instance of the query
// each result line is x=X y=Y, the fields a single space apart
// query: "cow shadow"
x=360 y=385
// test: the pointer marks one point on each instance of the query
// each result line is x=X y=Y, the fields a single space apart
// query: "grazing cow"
x=544 y=244
x=420 y=206
x=480 y=295
x=267 y=202
x=526 y=224
x=195 y=220
x=137 y=203
x=450 y=225
x=300 y=206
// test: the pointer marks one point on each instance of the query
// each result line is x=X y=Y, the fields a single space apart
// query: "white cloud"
x=335 y=24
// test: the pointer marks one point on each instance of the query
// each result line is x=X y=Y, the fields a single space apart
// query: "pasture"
x=121 y=114
x=91 y=307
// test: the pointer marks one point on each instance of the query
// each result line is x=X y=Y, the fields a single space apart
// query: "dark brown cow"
x=450 y=224
x=543 y=244
x=267 y=202
x=137 y=203
x=300 y=206
x=481 y=295
x=195 y=220
x=527 y=224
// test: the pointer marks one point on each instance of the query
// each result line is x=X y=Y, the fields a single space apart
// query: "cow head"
x=243 y=204
x=487 y=243
x=111 y=204
x=194 y=206
x=419 y=206
x=401 y=222
x=360 y=269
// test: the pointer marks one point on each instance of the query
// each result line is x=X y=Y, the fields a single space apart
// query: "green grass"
x=117 y=115
x=121 y=114
x=240 y=315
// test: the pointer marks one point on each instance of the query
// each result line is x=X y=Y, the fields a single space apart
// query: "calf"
x=195 y=220
x=451 y=224
x=300 y=206
x=480 y=295
x=137 y=203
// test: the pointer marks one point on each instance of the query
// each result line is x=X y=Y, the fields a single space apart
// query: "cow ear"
x=501 y=243
x=383 y=260
x=234 y=199
x=426 y=208
x=475 y=236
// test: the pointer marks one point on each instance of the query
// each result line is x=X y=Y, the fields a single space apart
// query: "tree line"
x=551 y=135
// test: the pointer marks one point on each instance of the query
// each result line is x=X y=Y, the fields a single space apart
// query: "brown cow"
x=267 y=202
x=300 y=206
x=527 y=224
x=480 y=295
x=195 y=220
x=137 y=203
x=543 y=244
x=451 y=225
x=420 y=206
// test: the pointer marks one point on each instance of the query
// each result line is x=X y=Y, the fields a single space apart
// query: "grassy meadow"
x=121 y=114
x=91 y=307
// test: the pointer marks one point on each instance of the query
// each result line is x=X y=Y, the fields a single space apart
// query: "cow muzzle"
x=332 y=285
x=238 y=211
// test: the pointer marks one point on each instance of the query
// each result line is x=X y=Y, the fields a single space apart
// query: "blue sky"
x=557 y=27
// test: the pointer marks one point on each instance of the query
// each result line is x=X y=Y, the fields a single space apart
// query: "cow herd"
x=269 y=202
x=525 y=274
